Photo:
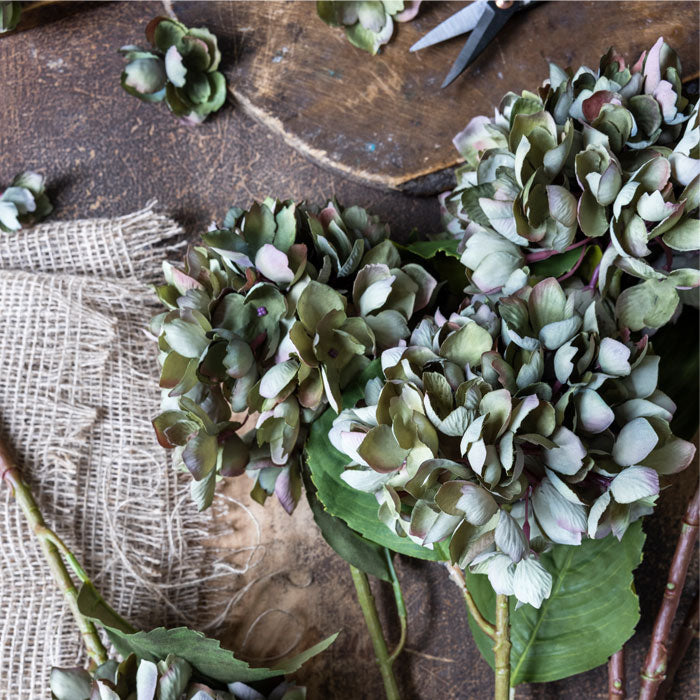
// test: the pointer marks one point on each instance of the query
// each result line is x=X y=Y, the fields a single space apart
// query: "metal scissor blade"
x=489 y=25
x=461 y=22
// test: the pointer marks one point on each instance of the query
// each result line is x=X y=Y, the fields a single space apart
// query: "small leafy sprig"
x=170 y=664
x=24 y=202
x=180 y=69
x=368 y=24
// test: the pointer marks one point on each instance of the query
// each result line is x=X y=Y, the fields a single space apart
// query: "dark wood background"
x=63 y=112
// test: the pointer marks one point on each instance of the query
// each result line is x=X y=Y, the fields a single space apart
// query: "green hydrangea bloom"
x=180 y=69
x=271 y=318
x=512 y=425
x=603 y=161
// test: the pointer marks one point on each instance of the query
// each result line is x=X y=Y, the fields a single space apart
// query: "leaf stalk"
x=52 y=547
x=457 y=576
x=400 y=608
x=369 y=610
x=501 y=650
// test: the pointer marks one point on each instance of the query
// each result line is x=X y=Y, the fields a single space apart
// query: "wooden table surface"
x=385 y=120
x=63 y=112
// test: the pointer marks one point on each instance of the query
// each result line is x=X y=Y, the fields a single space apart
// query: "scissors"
x=483 y=18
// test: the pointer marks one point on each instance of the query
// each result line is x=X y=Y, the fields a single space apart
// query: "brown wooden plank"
x=384 y=120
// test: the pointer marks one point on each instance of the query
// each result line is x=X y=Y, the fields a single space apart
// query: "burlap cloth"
x=78 y=389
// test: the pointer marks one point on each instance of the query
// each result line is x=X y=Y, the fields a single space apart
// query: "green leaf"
x=93 y=605
x=204 y=654
x=357 y=509
x=591 y=612
x=345 y=542
x=429 y=249
x=444 y=261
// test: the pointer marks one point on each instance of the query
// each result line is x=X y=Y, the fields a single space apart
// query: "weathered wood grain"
x=384 y=120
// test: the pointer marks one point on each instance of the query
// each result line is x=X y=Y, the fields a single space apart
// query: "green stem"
x=457 y=576
x=369 y=610
x=400 y=607
x=501 y=650
x=52 y=547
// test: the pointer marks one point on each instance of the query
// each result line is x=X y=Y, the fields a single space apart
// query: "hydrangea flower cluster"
x=180 y=69
x=527 y=415
x=513 y=425
x=604 y=162
x=272 y=316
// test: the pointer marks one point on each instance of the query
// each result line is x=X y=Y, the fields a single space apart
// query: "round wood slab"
x=384 y=119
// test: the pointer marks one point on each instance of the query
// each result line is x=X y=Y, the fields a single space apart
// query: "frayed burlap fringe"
x=130 y=246
x=78 y=388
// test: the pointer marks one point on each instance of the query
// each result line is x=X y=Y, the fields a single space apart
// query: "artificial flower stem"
x=52 y=547
x=654 y=670
x=369 y=610
x=457 y=576
x=616 y=676
x=572 y=271
x=400 y=607
x=501 y=650
x=683 y=640
x=541 y=255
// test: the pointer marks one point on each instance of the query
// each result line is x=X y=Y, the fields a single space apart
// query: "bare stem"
x=654 y=671
x=616 y=676
x=369 y=610
x=457 y=576
x=685 y=636
x=400 y=608
x=52 y=547
x=501 y=650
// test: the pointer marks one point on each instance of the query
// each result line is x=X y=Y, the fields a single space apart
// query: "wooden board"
x=384 y=119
